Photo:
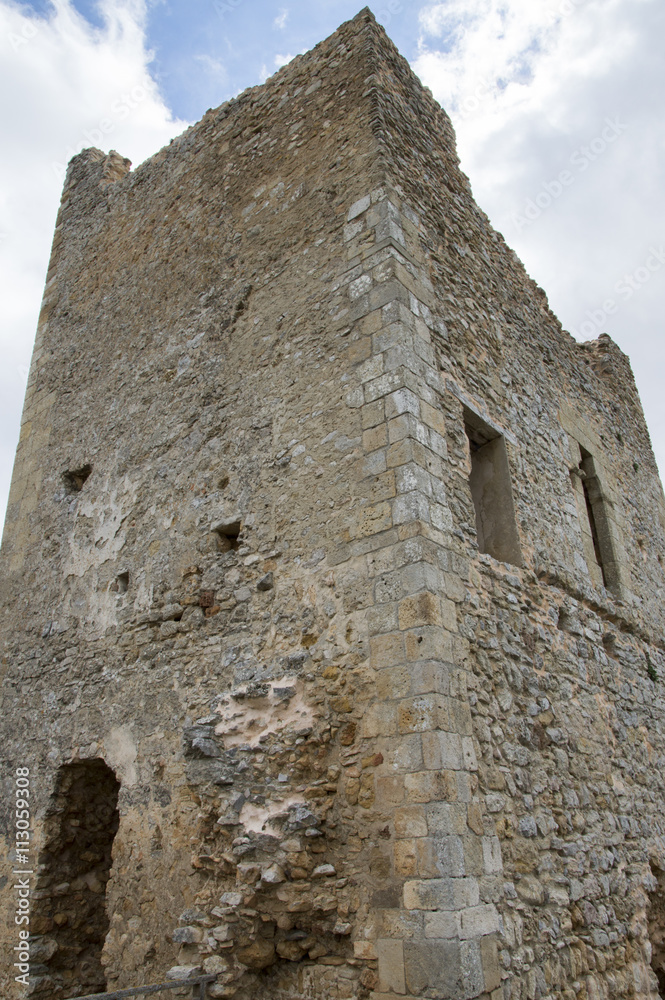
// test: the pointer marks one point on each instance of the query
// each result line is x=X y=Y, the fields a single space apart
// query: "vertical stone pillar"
x=434 y=919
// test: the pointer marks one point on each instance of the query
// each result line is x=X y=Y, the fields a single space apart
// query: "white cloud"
x=215 y=70
x=558 y=112
x=282 y=60
x=281 y=19
x=278 y=62
x=65 y=85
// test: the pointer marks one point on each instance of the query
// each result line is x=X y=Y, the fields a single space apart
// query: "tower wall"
x=357 y=755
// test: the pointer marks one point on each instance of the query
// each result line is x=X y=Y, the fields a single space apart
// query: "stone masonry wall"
x=356 y=755
x=566 y=687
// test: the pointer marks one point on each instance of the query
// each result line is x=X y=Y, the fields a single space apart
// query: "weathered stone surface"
x=259 y=954
x=335 y=561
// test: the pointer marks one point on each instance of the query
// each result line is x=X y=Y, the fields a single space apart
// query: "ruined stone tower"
x=332 y=632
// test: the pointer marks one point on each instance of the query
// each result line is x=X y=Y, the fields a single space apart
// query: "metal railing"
x=198 y=986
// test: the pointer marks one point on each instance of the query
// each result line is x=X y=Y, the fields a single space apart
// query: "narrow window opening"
x=592 y=526
x=491 y=491
x=601 y=549
x=228 y=533
x=70 y=921
x=75 y=478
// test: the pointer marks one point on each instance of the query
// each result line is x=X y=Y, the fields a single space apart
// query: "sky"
x=557 y=105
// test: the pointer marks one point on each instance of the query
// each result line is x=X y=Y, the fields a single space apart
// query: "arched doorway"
x=69 y=913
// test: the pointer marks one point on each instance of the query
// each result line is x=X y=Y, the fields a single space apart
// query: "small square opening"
x=121 y=583
x=75 y=478
x=228 y=533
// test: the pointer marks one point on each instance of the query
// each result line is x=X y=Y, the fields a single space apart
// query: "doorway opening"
x=69 y=913
x=656 y=921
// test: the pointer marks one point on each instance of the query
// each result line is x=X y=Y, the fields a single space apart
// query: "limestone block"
x=371 y=369
x=448 y=817
x=375 y=437
x=404 y=754
x=492 y=855
x=394 y=682
x=374 y=519
x=384 y=387
x=410 y=821
x=473 y=979
x=380 y=719
x=406 y=860
x=441 y=925
x=389 y=790
x=434 y=966
x=411 y=477
x=423 y=713
x=387 y=650
x=469 y=753
x=419 y=610
x=391 y=966
x=440 y=517
x=429 y=643
x=433 y=418
x=442 y=750
x=402 y=401
x=420 y=786
x=382 y=618
x=478 y=921
x=373 y=414
x=441 y=894
x=441 y=855
x=489 y=953
x=375 y=463
x=358 y=207
x=430 y=676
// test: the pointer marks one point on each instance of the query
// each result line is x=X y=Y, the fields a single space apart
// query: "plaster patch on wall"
x=258 y=710
x=260 y=819
x=121 y=752
x=98 y=534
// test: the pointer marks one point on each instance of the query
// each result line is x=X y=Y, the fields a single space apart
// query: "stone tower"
x=332 y=579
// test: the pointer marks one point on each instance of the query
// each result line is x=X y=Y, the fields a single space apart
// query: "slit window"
x=491 y=491
x=597 y=536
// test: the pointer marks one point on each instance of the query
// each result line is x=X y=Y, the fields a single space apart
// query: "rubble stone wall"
x=357 y=756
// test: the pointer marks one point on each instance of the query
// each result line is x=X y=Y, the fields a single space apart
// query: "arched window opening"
x=69 y=913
